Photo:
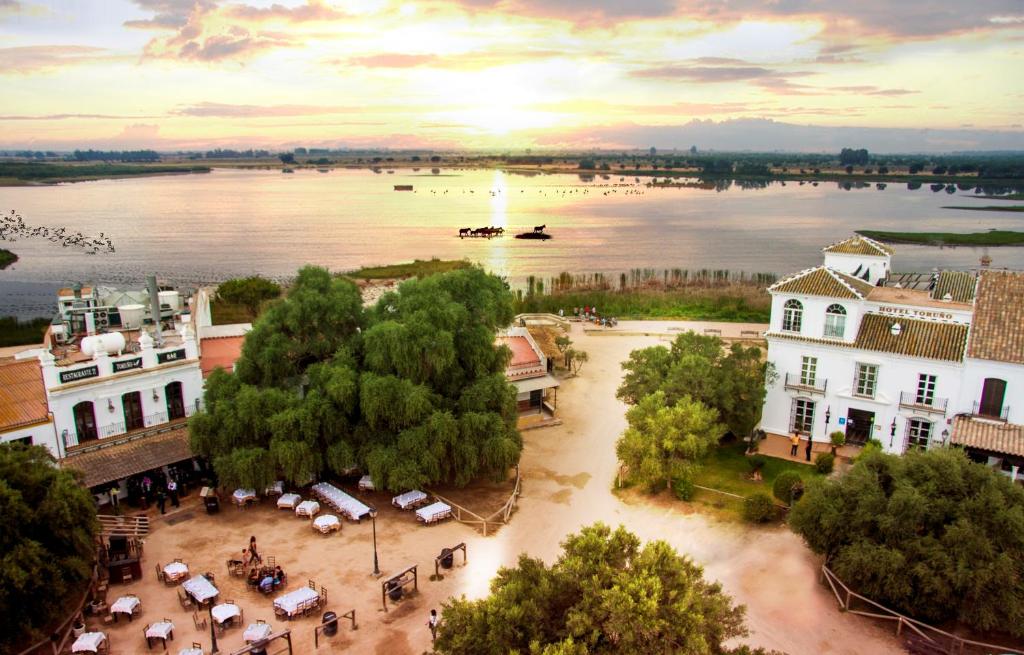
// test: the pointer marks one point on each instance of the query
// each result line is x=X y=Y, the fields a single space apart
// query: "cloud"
x=579 y=11
x=872 y=90
x=31 y=59
x=313 y=10
x=704 y=73
x=62 y=117
x=393 y=60
x=169 y=14
x=220 y=110
x=234 y=43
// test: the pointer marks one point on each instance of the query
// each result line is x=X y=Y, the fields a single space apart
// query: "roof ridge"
x=836 y=275
x=796 y=276
x=881 y=250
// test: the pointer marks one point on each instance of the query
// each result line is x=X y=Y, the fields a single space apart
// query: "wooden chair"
x=160 y=575
x=200 y=623
x=280 y=613
x=260 y=621
x=312 y=585
x=184 y=599
x=323 y=595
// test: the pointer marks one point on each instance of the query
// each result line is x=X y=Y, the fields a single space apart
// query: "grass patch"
x=726 y=469
x=26 y=173
x=991 y=238
x=989 y=208
x=7 y=258
x=737 y=303
x=18 y=333
x=416 y=268
x=225 y=313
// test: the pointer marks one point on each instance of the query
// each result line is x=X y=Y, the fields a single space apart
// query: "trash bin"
x=447 y=558
x=394 y=591
x=330 y=622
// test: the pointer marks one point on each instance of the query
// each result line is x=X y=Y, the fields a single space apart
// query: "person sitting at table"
x=254 y=576
x=278 y=576
x=267 y=584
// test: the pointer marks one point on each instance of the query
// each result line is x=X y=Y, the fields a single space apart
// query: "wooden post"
x=847 y=606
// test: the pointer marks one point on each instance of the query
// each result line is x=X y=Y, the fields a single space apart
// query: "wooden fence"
x=498 y=518
x=930 y=637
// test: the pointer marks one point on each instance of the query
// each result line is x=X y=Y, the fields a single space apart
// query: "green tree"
x=575 y=359
x=47 y=542
x=664 y=441
x=732 y=382
x=250 y=292
x=606 y=593
x=930 y=534
x=287 y=158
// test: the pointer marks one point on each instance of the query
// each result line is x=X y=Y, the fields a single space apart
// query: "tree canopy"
x=249 y=292
x=698 y=366
x=411 y=390
x=47 y=542
x=930 y=534
x=606 y=593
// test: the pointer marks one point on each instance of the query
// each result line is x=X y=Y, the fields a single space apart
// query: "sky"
x=512 y=74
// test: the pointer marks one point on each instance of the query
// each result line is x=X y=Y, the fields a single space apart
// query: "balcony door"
x=132 y=403
x=175 y=401
x=85 y=421
x=992 y=394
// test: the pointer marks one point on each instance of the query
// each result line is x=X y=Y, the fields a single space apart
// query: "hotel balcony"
x=796 y=383
x=990 y=412
x=910 y=400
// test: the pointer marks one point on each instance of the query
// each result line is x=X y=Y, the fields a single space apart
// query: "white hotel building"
x=910 y=368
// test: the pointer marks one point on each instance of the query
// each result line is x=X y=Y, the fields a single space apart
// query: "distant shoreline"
x=34 y=174
x=973 y=239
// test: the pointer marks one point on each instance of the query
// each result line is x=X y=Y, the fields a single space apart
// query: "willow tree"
x=417 y=397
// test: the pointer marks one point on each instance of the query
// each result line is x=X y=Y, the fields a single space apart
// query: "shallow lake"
x=194 y=229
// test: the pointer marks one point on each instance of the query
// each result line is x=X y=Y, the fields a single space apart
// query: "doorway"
x=859 y=425
x=175 y=401
x=85 y=421
x=132 y=403
x=992 y=394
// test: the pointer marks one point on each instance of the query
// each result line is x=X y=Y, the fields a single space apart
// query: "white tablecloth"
x=190 y=651
x=275 y=489
x=200 y=588
x=175 y=570
x=434 y=512
x=307 y=508
x=408 y=499
x=125 y=605
x=289 y=501
x=366 y=484
x=257 y=631
x=292 y=601
x=341 y=501
x=241 y=495
x=225 y=611
x=88 y=642
x=160 y=630
x=326 y=522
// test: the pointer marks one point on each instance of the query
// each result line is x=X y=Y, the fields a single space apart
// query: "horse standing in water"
x=465 y=232
x=539 y=228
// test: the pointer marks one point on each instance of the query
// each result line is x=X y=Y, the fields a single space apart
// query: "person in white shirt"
x=432 y=624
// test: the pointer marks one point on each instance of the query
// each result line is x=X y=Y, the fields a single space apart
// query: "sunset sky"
x=498 y=74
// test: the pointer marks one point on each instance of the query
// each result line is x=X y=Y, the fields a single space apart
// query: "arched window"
x=792 y=316
x=85 y=421
x=835 y=321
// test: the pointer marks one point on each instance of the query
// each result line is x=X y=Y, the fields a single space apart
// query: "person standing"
x=113 y=493
x=161 y=501
x=255 y=555
x=147 y=490
x=432 y=624
x=794 y=443
x=172 y=489
x=810 y=442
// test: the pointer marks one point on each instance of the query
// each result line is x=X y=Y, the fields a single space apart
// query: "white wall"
x=878 y=267
x=813 y=320
x=42 y=434
x=837 y=365
x=975 y=372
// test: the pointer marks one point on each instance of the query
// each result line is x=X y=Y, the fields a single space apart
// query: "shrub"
x=759 y=508
x=785 y=486
x=824 y=463
x=838 y=439
x=683 y=488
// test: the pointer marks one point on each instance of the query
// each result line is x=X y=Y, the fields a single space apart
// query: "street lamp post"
x=376 y=566
x=213 y=631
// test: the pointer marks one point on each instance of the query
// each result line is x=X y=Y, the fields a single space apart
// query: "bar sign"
x=171 y=356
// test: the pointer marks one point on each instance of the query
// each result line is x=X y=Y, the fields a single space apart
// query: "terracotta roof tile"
x=523 y=353
x=1006 y=438
x=927 y=339
x=958 y=284
x=127 y=457
x=22 y=395
x=997 y=331
x=220 y=352
x=859 y=245
x=822 y=281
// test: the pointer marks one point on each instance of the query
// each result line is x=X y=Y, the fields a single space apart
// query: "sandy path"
x=568 y=472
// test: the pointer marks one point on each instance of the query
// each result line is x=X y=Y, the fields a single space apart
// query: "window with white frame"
x=803 y=416
x=808 y=370
x=867 y=380
x=792 y=316
x=835 y=321
x=919 y=433
x=925 y=389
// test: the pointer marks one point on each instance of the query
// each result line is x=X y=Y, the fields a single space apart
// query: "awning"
x=532 y=384
x=1005 y=438
x=129 y=456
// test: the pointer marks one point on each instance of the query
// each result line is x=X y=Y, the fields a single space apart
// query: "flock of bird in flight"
x=13 y=227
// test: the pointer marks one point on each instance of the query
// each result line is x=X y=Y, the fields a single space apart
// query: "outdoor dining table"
x=288 y=501
x=409 y=499
x=162 y=630
x=201 y=589
x=125 y=605
x=225 y=612
x=175 y=571
x=293 y=601
x=190 y=651
x=366 y=484
x=243 y=496
x=307 y=508
x=257 y=631
x=88 y=642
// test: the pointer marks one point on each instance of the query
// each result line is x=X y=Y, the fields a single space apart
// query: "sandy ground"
x=568 y=473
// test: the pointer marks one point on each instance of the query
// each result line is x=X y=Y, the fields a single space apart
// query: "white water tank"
x=109 y=342
x=170 y=298
x=132 y=316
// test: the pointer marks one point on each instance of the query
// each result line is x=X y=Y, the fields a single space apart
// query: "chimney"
x=154 y=308
x=76 y=289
